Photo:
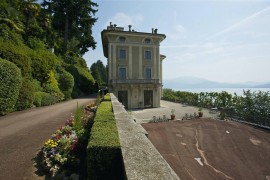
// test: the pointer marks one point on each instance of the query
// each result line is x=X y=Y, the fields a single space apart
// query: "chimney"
x=110 y=24
x=129 y=28
x=156 y=31
x=152 y=30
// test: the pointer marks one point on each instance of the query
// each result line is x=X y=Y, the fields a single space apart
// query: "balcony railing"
x=135 y=81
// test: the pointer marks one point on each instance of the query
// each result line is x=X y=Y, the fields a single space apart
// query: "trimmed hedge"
x=18 y=55
x=44 y=99
x=26 y=96
x=107 y=97
x=104 y=158
x=10 y=84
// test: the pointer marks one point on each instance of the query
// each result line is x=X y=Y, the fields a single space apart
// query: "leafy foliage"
x=99 y=72
x=18 y=55
x=66 y=83
x=104 y=152
x=26 y=95
x=252 y=107
x=73 y=20
x=51 y=87
x=29 y=34
x=10 y=84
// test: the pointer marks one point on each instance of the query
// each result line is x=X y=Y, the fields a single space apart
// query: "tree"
x=99 y=72
x=73 y=20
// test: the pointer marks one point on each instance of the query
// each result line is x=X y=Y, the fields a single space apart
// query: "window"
x=122 y=53
x=147 y=54
x=147 y=72
x=122 y=39
x=122 y=73
x=147 y=41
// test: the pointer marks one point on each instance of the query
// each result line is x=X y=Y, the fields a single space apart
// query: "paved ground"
x=213 y=149
x=144 y=115
x=22 y=135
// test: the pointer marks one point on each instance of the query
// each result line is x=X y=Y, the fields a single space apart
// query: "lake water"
x=238 y=91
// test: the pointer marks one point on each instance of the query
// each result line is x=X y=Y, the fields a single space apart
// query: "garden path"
x=22 y=135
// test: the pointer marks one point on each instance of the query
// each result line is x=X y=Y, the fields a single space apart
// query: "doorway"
x=148 y=98
x=123 y=98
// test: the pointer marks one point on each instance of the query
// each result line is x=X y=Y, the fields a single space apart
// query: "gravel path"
x=22 y=135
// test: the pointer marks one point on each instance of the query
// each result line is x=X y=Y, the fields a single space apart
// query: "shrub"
x=83 y=78
x=26 y=95
x=107 y=97
x=18 y=55
x=66 y=83
x=37 y=99
x=52 y=88
x=42 y=63
x=104 y=160
x=47 y=99
x=10 y=84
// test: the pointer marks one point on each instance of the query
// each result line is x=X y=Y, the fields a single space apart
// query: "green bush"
x=83 y=78
x=43 y=99
x=52 y=88
x=10 y=84
x=42 y=63
x=26 y=95
x=107 y=97
x=18 y=55
x=37 y=99
x=47 y=99
x=66 y=83
x=104 y=159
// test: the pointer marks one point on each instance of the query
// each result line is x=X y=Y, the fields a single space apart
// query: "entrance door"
x=123 y=98
x=148 y=98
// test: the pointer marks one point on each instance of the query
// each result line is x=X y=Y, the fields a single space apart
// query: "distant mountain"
x=267 y=85
x=193 y=82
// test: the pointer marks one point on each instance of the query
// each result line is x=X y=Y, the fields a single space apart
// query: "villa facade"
x=135 y=66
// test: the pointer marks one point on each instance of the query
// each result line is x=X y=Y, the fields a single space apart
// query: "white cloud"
x=123 y=20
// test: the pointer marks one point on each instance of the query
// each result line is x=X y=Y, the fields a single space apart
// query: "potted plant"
x=200 y=112
x=172 y=115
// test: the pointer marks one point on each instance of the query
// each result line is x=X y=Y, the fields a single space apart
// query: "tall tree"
x=73 y=20
x=99 y=72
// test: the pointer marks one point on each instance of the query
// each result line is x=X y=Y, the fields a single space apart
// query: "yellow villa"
x=135 y=65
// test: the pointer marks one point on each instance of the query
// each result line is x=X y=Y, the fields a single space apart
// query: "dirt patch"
x=225 y=149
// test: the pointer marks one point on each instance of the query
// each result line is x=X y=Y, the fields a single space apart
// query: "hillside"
x=48 y=63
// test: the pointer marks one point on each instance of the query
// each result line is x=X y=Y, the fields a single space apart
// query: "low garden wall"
x=141 y=159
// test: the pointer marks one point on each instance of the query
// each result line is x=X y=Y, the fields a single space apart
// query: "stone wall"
x=141 y=158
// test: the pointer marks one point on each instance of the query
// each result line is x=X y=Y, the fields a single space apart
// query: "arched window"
x=122 y=39
x=147 y=40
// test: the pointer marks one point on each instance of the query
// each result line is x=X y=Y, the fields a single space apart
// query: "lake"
x=238 y=91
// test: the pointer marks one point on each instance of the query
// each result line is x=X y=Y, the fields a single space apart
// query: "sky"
x=219 y=40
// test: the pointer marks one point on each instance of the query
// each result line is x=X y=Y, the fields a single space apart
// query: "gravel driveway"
x=22 y=135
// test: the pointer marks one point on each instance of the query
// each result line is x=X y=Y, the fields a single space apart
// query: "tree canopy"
x=73 y=20
x=99 y=72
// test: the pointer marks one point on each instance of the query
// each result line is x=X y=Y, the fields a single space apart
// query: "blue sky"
x=226 y=41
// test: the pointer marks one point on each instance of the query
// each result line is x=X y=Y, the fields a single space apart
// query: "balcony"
x=135 y=81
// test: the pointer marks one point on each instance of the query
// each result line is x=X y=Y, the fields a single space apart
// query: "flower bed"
x=64 y=153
